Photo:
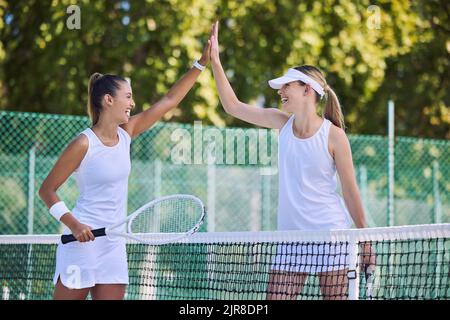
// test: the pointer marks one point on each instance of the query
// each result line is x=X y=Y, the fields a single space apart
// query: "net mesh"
x=240 y=190
x=407 y=263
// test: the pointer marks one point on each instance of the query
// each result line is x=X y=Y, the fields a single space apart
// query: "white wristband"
x=198 y=65
x=58 y=210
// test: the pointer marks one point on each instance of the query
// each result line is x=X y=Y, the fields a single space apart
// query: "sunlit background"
x=371 y=53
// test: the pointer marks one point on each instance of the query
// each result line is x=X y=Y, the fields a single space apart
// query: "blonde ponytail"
x=332 y=110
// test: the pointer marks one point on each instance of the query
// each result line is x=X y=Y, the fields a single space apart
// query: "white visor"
x=295 y=75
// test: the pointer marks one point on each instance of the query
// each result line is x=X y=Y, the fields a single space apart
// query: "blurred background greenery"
x=371 y=51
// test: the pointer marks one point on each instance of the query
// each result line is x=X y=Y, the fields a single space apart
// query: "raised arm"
x=144 y=120
x=264 y=117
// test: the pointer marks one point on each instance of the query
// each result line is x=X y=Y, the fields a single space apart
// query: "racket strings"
x=173 y=215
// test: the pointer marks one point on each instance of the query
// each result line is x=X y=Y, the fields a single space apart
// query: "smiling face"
x=122 y=103
x=292 y=95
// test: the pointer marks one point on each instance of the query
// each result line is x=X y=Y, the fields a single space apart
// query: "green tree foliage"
x=418 y=80
x=396 y=49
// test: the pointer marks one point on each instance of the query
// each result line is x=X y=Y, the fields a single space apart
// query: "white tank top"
x=308 y=198
x=102 y=180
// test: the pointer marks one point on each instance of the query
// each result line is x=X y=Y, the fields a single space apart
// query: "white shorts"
x=83 y=265
x=311 y=257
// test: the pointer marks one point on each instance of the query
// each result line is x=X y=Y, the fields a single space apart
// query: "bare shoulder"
x=80 y=142
x=128 y=127
x=337 y=135
x=78 y=147
x=337 y=140
x=68 y=161
x=279 y=118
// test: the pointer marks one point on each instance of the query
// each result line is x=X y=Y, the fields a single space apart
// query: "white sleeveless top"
x=102 y=180
x=308 y=199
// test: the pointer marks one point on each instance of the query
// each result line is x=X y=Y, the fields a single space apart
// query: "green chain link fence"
x=232 y=170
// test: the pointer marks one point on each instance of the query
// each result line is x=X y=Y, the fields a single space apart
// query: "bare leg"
x=108 y=291
x=63 y=293
x=334 y=284
x=285 y=285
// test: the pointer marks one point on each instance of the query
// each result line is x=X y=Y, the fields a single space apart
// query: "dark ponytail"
x=99 y=85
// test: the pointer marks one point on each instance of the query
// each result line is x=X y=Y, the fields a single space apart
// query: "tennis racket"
x=164 y=220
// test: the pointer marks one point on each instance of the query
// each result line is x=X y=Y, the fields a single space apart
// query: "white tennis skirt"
x=85 y=264
x=311 y=257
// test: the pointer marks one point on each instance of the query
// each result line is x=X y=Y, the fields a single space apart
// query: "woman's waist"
x=312 y=220
x=99 y=218
x=321 y=198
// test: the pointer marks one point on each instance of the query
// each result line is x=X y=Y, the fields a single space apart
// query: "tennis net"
x=379 y=263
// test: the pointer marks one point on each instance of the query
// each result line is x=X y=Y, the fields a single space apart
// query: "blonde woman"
x=312 y=149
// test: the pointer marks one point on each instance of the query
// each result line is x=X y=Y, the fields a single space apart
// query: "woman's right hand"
x=82 y=232
x=215 y=43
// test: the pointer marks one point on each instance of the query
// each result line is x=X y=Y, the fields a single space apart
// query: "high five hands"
x=211 y=48
x=206 y=54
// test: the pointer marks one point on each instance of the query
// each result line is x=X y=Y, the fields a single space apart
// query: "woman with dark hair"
x=99 y=157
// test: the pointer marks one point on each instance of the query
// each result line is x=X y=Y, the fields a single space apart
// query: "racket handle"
x=66 y=238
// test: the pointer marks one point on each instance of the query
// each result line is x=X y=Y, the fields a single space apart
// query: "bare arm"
x=67 y=163
x=264 y=117
x=144 y=120
x=341 y=151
